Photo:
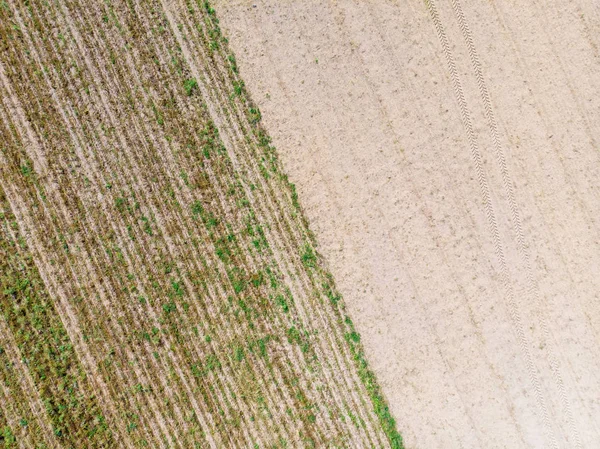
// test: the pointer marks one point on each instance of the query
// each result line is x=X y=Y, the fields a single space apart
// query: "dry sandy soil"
x=447 y=157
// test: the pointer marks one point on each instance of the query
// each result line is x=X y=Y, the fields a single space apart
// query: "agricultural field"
x=159 y=284
x=447 y=157
x=299 y=224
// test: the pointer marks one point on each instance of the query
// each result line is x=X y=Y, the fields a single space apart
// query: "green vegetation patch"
x=43 y=343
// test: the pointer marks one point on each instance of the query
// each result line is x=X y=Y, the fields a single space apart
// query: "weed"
x=190 y=86
x=169 y=307
x=309 y=258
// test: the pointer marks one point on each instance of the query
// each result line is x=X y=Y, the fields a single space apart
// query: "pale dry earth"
x=446 y=154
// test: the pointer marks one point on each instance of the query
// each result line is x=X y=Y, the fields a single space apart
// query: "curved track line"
x=492 y=223
x=532 y=289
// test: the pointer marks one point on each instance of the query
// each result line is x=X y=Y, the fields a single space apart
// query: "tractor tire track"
x=493 y=226
x=532 y=289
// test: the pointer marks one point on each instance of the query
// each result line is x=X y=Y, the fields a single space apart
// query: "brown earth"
x=447 y=157
x=159 y=286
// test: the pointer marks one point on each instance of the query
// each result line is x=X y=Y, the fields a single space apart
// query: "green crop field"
x=160 y=286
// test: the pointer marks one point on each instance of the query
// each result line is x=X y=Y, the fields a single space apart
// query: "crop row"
x=161 y=247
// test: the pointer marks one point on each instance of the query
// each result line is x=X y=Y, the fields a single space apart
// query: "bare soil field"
x=447 y=156
x=159 y=284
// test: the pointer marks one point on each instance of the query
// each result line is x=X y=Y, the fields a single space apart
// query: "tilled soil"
x=446 y=154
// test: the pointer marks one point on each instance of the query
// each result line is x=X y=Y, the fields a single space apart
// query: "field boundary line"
x=298 y=234
x=232 y=135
